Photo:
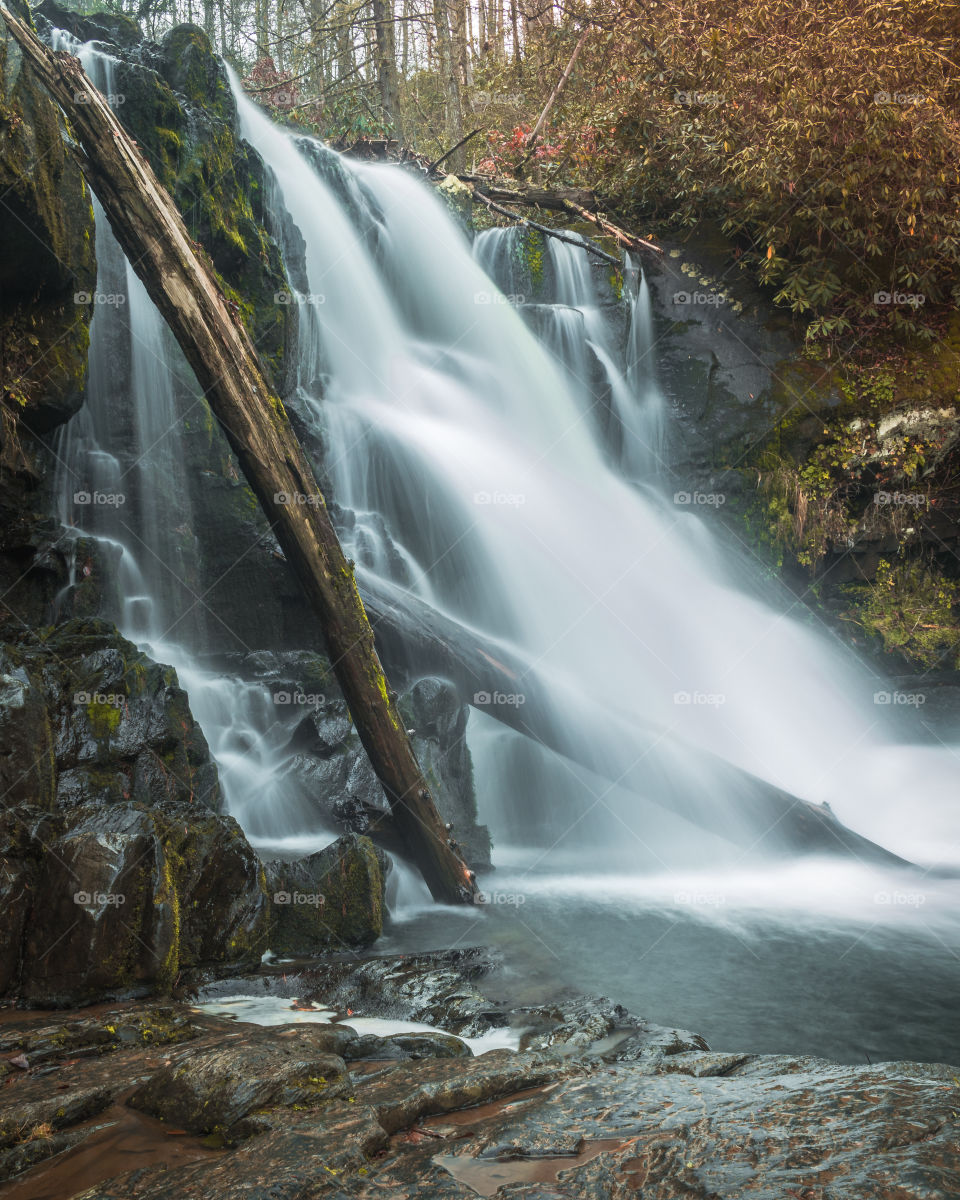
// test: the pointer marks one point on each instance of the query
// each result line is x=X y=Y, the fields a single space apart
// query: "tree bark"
x=218 y=348
x=453 y=111
x=386 y=58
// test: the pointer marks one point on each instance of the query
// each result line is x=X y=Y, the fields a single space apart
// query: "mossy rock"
x=334 y=898
x=183 y=116
x=46 y=252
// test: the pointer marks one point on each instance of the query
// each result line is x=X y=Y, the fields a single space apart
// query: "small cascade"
x=121 y=479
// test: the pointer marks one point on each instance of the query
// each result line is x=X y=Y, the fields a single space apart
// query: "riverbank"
x=170 y=1100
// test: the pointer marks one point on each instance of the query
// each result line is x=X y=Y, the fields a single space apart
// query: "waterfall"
x=502 y=459
x=505 y=458
x=472 y=428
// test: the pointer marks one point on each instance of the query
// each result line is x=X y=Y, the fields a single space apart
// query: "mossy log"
x=215 y=343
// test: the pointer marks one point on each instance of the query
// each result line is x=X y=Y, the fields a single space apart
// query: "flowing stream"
x=502 y=457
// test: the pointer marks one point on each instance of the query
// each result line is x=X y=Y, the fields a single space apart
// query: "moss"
x=104 y=719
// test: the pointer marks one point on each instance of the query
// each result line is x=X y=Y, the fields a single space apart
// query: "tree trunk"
x=218 y=348
x=386 y=57
x=453 y=114
x=541 y=121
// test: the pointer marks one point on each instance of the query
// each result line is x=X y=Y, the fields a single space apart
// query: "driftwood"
x=415 y=639
x=217 y=346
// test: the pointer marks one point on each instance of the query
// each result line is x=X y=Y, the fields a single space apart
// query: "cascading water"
x=500 y=461
x=511 y=452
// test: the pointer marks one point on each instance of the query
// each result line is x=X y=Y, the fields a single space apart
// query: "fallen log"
x=545 y=229
x=629 y=240
x=415 y=639
x=216 y=344
x=555 y=199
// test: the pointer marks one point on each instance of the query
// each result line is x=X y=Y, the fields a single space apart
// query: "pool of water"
x=825 y=958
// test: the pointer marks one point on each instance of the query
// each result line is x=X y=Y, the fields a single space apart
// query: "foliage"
x=910 y=607
x=824 y=136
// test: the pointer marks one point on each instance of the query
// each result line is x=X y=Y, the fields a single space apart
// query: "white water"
x=513 y=482
x=439 y=400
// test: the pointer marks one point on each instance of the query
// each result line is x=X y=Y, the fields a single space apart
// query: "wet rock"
x=83 y=1037
x=107 y=723
x=438 y=988
x=128 y=898
x=409 y=1045
x=575 y=1023
x=327 y=767
x=657 y=1043
x=213 y=1090
x=118 y=875
x=46 y=250
x=114 y=28
x=426 y=1088
x=331 y=898
x=281 y=1164
x=19 y=1121
x=544 y=1125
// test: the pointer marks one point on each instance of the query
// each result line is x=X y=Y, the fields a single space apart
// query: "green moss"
x=104 y=719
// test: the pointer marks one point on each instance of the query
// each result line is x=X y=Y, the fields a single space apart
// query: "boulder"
x=116 y=871
x=127 y=898
x=333 y=898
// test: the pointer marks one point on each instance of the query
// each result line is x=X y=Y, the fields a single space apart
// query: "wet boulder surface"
x=315 y=1109
x=334 y=897
x=116 y=869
